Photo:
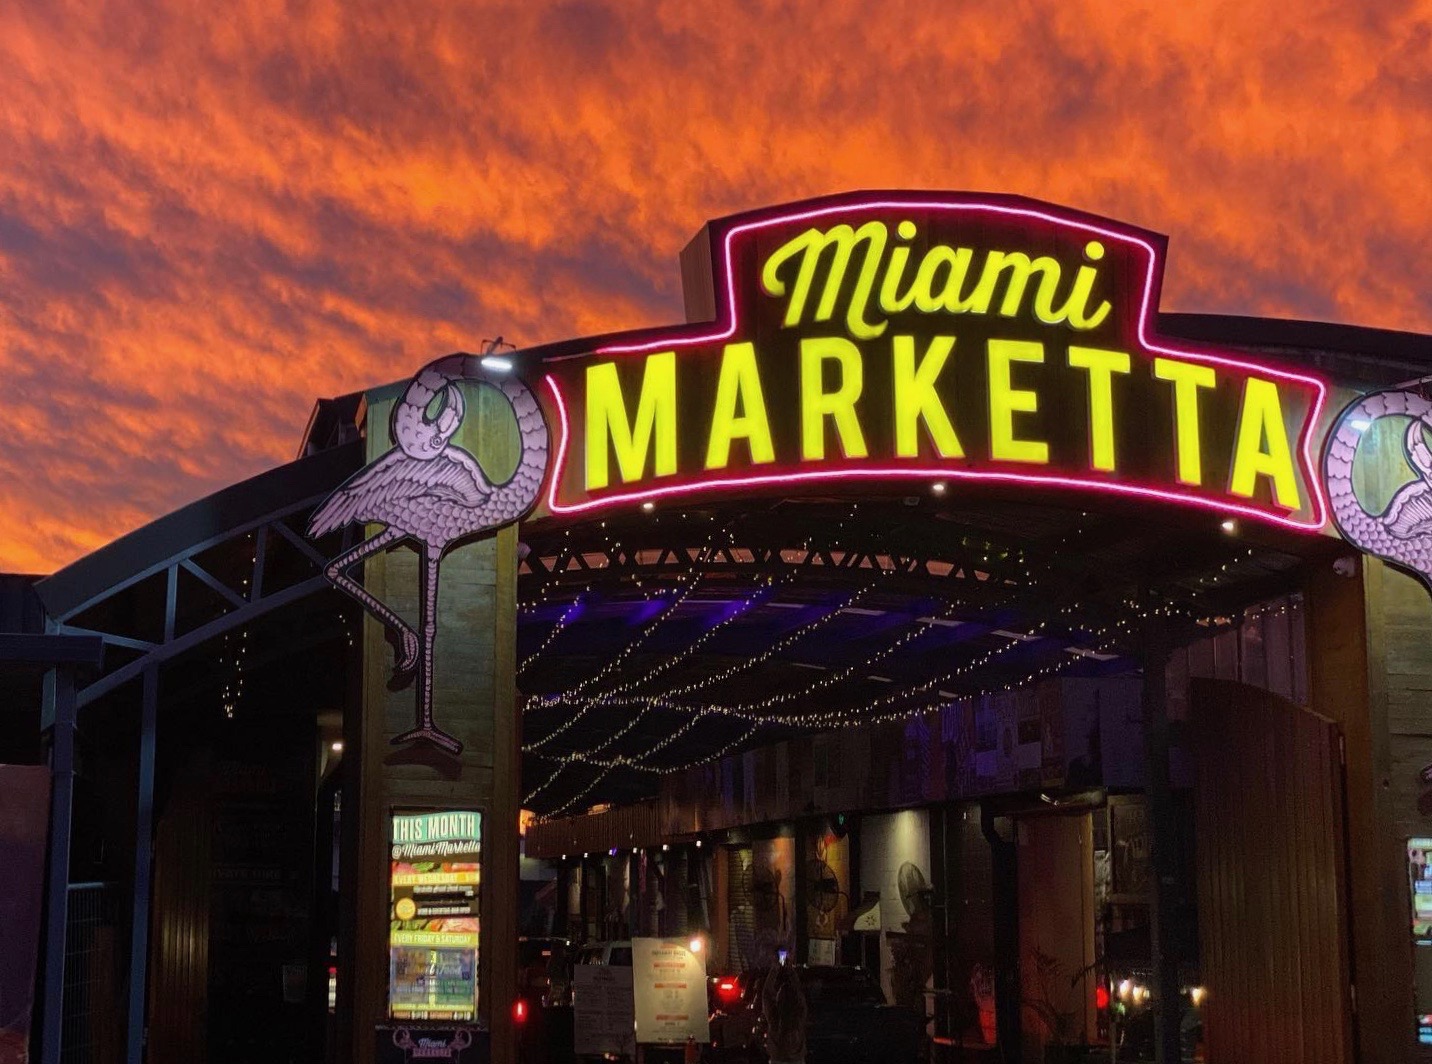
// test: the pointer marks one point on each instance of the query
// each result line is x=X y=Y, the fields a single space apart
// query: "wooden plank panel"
x=1270 y=879
x=179 y=942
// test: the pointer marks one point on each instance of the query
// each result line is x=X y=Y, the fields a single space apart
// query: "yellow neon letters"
x=809 y=245
x=839 y=405
x=883 y=285
x=1005 y=401
x=1260 y=420
x=1102 y=365
x=739 y=385
x=916 y=399
x=607 y=421
x=1187 y=378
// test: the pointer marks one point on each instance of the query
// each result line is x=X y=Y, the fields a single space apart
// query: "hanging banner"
x=434 y=886
x=927 y=336
x=24 y=820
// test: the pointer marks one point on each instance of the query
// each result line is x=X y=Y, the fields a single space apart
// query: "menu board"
x=669 y=987
x=434 y=878
x=602 y=1010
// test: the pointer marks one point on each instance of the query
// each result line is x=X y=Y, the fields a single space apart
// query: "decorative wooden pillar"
x=474 y=699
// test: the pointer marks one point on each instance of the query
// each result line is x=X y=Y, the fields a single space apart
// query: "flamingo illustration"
x=1402 y=532
x=434 y=493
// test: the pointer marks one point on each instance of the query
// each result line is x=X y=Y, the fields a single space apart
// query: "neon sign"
x=912 y=336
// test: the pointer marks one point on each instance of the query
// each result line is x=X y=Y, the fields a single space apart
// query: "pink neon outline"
x=1315 y=522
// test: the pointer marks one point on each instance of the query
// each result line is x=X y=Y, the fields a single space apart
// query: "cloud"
x=212 y=214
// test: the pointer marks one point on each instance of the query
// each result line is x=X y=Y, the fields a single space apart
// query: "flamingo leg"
x=428 y=622
x=337 y=572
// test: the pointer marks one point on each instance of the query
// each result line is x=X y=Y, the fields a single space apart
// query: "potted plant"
x=1059 y=1024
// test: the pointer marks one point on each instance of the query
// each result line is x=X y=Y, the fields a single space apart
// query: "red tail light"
x=728 y=989
x=519 y=1012
x=1101 y=997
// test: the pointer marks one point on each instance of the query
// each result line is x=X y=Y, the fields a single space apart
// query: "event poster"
x=434 y=880
x=669 y=987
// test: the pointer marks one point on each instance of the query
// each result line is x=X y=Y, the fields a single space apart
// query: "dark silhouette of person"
x=783 y=1007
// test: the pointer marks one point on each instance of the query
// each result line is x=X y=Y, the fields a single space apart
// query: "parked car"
x=848 y=1021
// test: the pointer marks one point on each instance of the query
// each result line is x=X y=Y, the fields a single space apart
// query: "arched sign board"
x=882 y=337
x=919 y=336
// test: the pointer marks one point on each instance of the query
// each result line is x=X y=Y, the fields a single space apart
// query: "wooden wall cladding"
x=1272 y=894
x=630 y=827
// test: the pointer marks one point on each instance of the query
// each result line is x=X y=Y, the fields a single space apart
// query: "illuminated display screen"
x=434 y=881
x=1419 y=885
x=915 y=336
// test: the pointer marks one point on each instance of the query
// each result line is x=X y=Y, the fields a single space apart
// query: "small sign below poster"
x=669 y=985
x=434 y=880
x=435 y=1045
x=602 y=1015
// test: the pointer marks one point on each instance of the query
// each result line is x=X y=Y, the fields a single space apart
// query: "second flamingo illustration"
x=429 y=491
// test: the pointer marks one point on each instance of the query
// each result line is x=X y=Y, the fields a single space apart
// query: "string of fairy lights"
x=595 y=692
x=808 y=722
x=562 y=621
x=236 y=648
x=687 y=582
x=813 y=722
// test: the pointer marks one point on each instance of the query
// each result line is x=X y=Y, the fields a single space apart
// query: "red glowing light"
x=727 y=326
x=519 y=1011
x=1101 y=997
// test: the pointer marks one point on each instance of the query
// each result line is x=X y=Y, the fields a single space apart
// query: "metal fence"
x=94 y=976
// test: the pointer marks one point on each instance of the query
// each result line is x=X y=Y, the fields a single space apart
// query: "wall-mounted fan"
x=822 y=893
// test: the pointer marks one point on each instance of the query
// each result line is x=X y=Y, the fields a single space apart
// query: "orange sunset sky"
x=212 y=213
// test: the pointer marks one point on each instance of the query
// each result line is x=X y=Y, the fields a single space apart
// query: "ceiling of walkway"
x=663 y=638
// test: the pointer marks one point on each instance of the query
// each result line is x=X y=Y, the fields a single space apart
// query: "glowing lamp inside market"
x=698 y=844
x=497 y=364
x=1197 y=994
x=1126 y=989
x=1230 y=526
x=696 y=944
x=938 y=487
x=337 y=747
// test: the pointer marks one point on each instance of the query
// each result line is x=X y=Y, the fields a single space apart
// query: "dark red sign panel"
x=923 y=336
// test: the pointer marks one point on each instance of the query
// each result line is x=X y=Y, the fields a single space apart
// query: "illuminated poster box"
x=434 y=884
x=1419 y=884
